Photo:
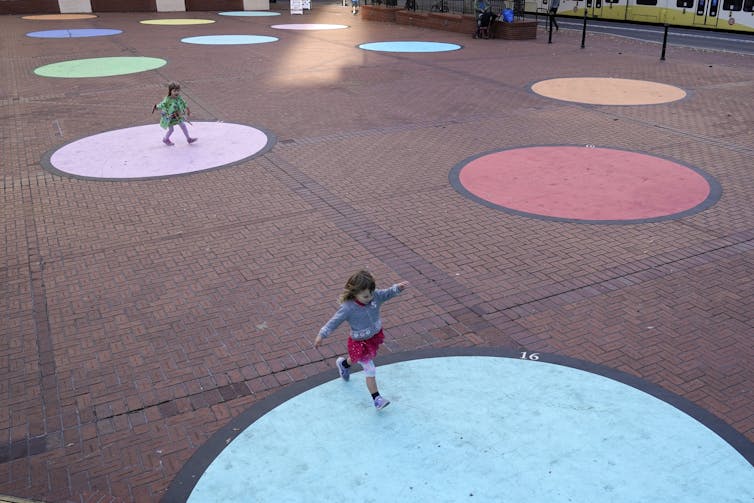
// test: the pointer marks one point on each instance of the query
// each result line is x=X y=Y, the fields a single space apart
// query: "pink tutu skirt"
x=363 y=351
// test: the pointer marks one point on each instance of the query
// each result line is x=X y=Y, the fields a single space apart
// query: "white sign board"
x=297 y=7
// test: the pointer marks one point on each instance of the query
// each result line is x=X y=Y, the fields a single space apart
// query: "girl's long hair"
x=171 y=86
x=362 y=280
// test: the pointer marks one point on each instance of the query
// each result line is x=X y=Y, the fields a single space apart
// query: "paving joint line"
x=584 y=106
x=382 y=244
x=658 y=269
x=174 y=236
x=49 y=393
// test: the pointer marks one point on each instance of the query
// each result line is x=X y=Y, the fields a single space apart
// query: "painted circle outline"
x=715 y=191
x=263 y=39
x=59 y=17
x=46 y=160
x=530 y=88
x=177 y=22
x=309 y=26
x=251 y=13
x=63 y=63
x=110 y=32
x=188 y=476
x=457 y=47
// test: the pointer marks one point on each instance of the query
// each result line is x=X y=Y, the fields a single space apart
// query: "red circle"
x=583 y=183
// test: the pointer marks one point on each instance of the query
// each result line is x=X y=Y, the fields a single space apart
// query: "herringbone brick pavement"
x=138 y=317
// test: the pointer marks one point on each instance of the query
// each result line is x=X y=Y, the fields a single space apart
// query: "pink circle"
x=584 y=183
x=309 y=26
x=138 y=152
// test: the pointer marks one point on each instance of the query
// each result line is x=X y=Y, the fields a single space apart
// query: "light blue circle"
x=229 y=39
x=407 y=46
x=250 y=13
x=74 y=33
x=481 y=429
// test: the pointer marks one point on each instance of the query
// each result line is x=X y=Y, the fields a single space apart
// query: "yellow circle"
x=174 y=22
x=59 y=17
x=608 y=91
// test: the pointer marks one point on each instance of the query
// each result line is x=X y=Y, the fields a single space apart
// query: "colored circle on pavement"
x=310 y=26
x=229 y=39
x=100 y=67
x=250 y=13
x=74 y=33
x=177 y=22
x=409 y=46
x=59 y=17
x=139 y=153
x=608 y=91
x=526 y=431
x=585 y=184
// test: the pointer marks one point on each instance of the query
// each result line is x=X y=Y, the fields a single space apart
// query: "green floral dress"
x=172 y=111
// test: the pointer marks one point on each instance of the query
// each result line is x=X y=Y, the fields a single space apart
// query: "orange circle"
x=608 y=91
x=59 y=17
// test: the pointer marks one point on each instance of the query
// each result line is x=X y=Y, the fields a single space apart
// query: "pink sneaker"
x=167 y=142
x=192 y=140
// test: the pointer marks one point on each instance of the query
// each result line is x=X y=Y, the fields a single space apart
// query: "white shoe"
x=380 y=403
x=345 y=373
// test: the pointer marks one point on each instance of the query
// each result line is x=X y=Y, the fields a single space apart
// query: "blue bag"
x=508 y=15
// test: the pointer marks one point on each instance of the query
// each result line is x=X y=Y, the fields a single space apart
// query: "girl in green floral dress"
x=174 y=112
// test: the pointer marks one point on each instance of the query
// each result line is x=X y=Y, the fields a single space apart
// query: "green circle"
x=99 y=67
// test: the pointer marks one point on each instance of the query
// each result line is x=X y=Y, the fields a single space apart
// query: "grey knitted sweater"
x=364 y=320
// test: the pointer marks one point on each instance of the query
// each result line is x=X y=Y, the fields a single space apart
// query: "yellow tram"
x=731 y=15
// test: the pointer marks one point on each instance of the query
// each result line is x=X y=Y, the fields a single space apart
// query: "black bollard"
x=583 y=31
x=549 y=29
x=664 y=42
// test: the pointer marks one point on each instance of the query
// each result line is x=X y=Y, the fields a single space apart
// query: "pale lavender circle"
x=138 y=152
x=311 y=26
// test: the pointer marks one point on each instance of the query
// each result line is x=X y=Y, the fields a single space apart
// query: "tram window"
x=598 y=4
x=685 y=4
x=646 y=2
x=732 y=4
x=713 y=7
x=612 y=1
x=700 y=8
x=748 y=5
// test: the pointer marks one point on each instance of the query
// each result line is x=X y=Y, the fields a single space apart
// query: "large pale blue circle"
x=482 y=429
x=408 y=46
x=229 y=39
x=249 y=13
x=74 y=33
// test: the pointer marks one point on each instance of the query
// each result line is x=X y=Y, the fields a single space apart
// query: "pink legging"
x=183 y=128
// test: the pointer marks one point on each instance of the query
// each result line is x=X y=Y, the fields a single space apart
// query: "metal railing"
x=453 y=6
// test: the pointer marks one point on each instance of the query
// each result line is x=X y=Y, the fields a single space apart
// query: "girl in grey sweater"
x=360 y=307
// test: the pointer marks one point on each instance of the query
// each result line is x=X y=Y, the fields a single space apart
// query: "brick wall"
x=378 y=13
x=461 y=23
x=124 y=5
x=29 y=7
x=52 y=7
x=517 y=30
x=221 y=5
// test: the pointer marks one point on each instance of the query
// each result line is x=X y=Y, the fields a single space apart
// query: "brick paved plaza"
x=140 y=316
